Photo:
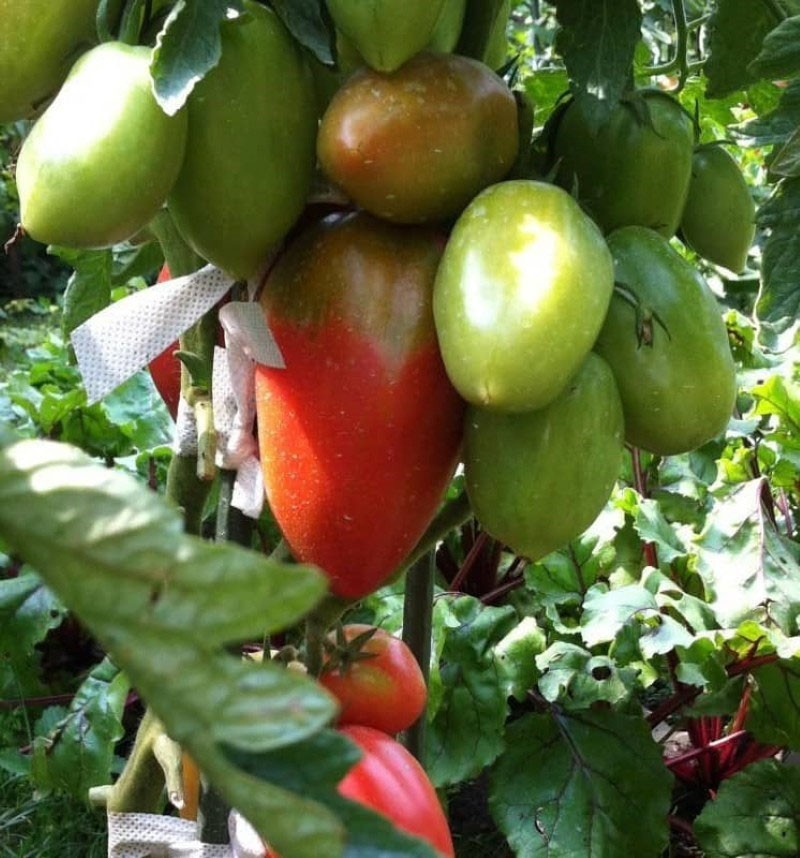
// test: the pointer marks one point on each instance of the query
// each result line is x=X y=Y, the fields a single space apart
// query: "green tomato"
x=497 y=43
x=635 y=169
x=99 y=163
x=448 y=28
x=538 y=480
x=520 y=295
x=667 y=344
x=719 y=216
x=250 y=149
x=386 y=32
x=41 y=41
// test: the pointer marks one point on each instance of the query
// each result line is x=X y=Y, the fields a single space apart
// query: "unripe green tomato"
x=418 y=144
x=99 y=163
x=250 y=149
x=538 y=480
x=448 y=28
x=497 y=43
x=520 y=295
x=386 y=33
x=41 y=40
x=635 y=169
x=719 y=216
x=667 y=345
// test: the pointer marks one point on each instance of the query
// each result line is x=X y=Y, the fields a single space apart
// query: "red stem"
x=469 y=561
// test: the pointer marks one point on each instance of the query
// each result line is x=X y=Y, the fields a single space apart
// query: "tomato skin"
x=256 y=109
x=537 y=480
x=412 y=158
x=386 y=33
x=390 y=781
x=678 y=387
x=41 y=40
x=520 y=295
x=104 y=122
x=363 y=412
x=636 y=168
x=718 y=220
x=385 y=691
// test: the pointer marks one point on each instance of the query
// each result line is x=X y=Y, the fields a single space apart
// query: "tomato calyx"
x=645 y=316
x=341 y=653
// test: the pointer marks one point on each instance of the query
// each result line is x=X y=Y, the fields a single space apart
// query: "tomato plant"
x=375 y=677
x=363 y=410
x=417 y=145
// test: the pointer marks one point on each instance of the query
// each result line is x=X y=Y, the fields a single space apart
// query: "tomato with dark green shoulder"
x=416 y=146
x=635 y=168
x=360 y=433
x=537 y=480
x=375 y=677
x=667 y=344
x=719 y=218
x=520 y=295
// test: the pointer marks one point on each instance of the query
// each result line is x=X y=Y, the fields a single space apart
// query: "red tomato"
x=363 y=421
x=382 y=687
x=165 y=369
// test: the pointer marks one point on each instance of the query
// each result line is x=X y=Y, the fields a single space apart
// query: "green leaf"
x=516 y=657
x=309 y=23
x=746 y=563
x=776 y=126
x=88 y=288
x=187 y=48
x=606 y=611
x=780 y=54
x=652 y=526
x=164 y=605
x=736 y=34
x=756 y=814
x=774 y=713
x=565 y=786
x=466 y=733
x=598 y=41
x=79 y=751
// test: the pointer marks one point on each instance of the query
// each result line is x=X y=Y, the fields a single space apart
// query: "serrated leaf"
x=787 y=160
x=776 y=126
x=187 y=48
x=164 y=605
x=308 y=21
x=78 y=752
x=746 y=563
x=466 y=733
x=780 y=53
x=563 y=787
x=774 y=713
x=606 y=611
x=598 y=41
x=89 y=286
x=736 y=34
x=756 y=814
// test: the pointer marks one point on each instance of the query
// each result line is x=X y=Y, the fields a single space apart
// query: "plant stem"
x=417 y=633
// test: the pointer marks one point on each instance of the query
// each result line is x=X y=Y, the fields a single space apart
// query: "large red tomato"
x=380 y=685
x=360 y=433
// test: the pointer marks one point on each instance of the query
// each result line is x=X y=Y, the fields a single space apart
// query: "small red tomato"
x=165 y=369
x=378 y=684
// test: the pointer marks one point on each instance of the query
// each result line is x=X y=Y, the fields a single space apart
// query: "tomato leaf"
x=164 y=605
x=780 y=53
x=787 y=160
x=89 y=286
x=776 y=126
x=78 y=751
x=598 y=41
x=187 y=48
x=556 y=790
x=774 y=713
x=308 y=21
x=736 y=34
x=756 y=813
x=466 y=733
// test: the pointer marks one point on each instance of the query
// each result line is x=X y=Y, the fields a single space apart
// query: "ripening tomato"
x=635 y=168
x=520 y=295
x=719 y=218
x=667 y=344
x=417 y=145
x=250 y=150
x=41 y=41
x=381 y=685
x=537 y=480
x=386 y=32
x=363 y=415
x=100 y=161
